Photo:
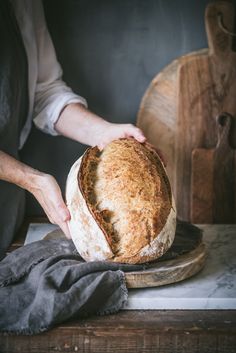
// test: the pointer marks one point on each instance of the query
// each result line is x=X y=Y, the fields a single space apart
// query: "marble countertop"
x=214 y=287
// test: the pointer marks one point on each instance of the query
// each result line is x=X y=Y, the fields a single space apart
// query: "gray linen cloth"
x=47 y=282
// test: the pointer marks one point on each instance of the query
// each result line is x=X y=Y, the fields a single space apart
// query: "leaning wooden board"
x=213 y=186
x=185 y=258
x=179 y=108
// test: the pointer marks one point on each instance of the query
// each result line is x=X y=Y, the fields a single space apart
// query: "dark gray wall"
x=110 y=50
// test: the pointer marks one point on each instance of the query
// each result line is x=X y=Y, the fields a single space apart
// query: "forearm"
x=79 y=124
x=18 y=173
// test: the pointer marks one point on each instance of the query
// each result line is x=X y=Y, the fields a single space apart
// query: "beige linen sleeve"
x=52 y=94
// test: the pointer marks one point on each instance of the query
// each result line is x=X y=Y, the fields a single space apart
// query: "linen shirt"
x=48 y=93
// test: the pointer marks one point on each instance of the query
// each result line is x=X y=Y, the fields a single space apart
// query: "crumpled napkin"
x=47 y=282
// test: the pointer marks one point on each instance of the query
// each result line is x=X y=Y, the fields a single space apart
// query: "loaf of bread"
x=121 y=204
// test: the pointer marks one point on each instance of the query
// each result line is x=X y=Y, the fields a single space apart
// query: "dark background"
x=110 y=50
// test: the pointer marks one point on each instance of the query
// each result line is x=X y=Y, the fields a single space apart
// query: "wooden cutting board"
x=178 y=111
x=207 y=86
x=213 y=186
x=185 y=258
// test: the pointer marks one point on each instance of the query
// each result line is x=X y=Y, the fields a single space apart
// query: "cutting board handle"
x=219 y=22
x=224 y=122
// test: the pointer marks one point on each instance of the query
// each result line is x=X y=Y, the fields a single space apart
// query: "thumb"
x=64 y=227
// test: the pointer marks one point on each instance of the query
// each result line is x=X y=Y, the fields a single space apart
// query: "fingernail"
x=142 y=138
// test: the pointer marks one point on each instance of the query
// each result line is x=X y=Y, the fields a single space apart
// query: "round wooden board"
x=185 y=258
x=169 y=271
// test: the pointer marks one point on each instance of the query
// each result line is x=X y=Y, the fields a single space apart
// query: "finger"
x=64 y=227
x=58 y=213
x=51 y=220
x=101 y=146
x=136 y=133
x=63 y=212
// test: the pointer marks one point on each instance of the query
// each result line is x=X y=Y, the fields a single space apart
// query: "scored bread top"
x=128 y=194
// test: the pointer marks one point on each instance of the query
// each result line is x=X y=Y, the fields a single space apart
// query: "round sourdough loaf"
x=121 y=204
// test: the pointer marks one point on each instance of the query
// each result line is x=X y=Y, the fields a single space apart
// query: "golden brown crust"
x=128 y=193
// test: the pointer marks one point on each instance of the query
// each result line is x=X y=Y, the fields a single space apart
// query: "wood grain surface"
x=214 y=179
x=207 y=86
x=157 y=115
x=179 y=108
x=162 y=331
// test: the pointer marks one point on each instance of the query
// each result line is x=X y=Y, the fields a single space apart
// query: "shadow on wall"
x=110 y=51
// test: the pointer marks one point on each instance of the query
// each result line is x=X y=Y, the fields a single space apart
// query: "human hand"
x=43 y=186
x=117 y=131
x=82 y=125
x=48 y=194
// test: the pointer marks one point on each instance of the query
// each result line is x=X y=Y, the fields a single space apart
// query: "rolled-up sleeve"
x=52 y=94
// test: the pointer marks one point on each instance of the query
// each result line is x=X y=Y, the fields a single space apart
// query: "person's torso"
x=13 y=114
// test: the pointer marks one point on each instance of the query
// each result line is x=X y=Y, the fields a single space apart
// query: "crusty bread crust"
x=85 y=232
x=126 y=210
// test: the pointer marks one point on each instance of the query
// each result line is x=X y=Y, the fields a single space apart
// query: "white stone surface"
x=212 y=288
x=37 y=231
